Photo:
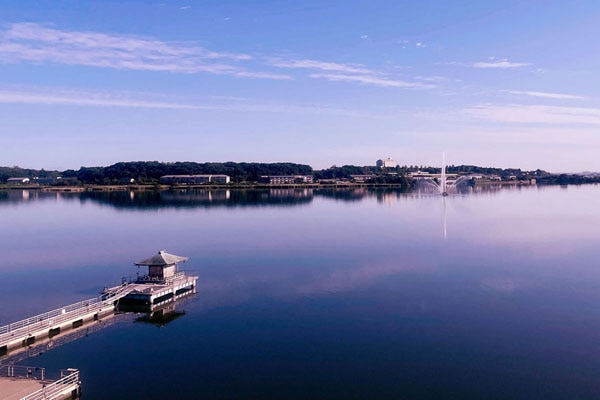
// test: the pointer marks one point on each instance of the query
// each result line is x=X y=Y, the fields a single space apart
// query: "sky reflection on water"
x=356 y=294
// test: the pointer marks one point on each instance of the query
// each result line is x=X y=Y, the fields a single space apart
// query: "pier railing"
x=68 y=383
x=151 y=279
x=60 y=315
x=21 y=371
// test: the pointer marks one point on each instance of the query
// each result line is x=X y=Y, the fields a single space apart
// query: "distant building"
x=486 y=177
x=46 y=181
x=361 y=178
x=286 y=179
x=221 y=179
x=426 y=175
x=193 y=179
x=17 y=181
x=387 y=163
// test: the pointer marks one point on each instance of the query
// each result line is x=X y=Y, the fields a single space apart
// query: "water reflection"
x=203 y=198
x=159 y=315
x=350 y=283
x=191 y=198
x=41 y=346
x=182 y=198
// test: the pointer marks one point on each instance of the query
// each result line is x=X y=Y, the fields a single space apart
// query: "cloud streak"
x=559 y=96
x=500 y=64
x=35 y=43
x=41 y=44
x=153 y=101
x=338 y=72
x=536 y=114
x=320 y=65
x=372 y=80
x=87 y=99
x=491 y=64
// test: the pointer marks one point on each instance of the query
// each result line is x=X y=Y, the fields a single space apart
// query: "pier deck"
x=28 y=383
x=16 y=389
x=25 y=332
x=152 y=293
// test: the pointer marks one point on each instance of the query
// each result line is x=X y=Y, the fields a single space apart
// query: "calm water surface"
x=323 y=294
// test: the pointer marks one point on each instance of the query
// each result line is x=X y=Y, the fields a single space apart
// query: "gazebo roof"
x=161 y=259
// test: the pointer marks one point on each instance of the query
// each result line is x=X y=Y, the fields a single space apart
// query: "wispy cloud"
x=492 y=63
x=35 y=43
x=46 y=96
x=372 y=80
x=42 y=44
x=320 y=65
x=560 y=96
x=436 y=78
x=263 y=75
x=86 y=99
x=346 y=73
x=503 y=64
x=536 y=114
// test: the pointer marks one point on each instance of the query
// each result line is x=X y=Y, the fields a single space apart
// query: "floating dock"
x=162 y=282
x=26 y=332
x=150 y=292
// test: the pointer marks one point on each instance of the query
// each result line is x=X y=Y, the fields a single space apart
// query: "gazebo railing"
x=154 y=279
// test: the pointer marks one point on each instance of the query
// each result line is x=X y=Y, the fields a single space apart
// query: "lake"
x=306 y=293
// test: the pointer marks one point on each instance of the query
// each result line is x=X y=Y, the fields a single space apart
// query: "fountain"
x=442 y=185
x=443 y=188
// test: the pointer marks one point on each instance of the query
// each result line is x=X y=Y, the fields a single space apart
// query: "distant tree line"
x=16 y=172
x=149 y=172
x=568 y=179
x=346 y=171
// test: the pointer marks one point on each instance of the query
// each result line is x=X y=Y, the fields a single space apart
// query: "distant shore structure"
x=18 y=180
x=193 y=179
x=387 y=163
x=286 y=179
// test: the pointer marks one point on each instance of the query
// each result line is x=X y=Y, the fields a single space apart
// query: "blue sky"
x=491 y=83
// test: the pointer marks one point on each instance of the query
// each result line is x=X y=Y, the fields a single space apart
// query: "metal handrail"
x=22 y=371
x=65 y=313
x=68 y=381
x=147 y=278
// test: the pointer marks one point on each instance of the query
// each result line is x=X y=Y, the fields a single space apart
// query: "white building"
x=17 y=180
x=387 y=163
x=286 y=179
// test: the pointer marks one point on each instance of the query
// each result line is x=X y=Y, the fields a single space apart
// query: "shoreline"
x=154 y=187
x=249 y=186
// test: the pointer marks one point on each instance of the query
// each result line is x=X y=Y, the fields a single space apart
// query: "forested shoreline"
x=149 y=172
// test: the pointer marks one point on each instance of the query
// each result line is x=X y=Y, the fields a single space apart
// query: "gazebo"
x=161 y=266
